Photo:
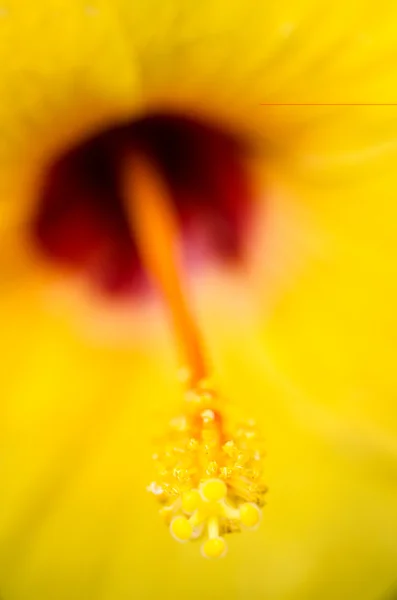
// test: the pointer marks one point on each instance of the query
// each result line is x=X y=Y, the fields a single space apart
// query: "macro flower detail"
x=113 y=208
x=127 y=126
x=209 y=474
x=210 y=470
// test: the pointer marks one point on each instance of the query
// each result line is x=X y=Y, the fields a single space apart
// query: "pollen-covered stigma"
x=209 y=465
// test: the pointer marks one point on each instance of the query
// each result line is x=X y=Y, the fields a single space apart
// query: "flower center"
x=123 y=204
x=209 y=469
x=81 y=220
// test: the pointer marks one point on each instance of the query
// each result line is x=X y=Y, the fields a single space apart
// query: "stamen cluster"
x=209 y=474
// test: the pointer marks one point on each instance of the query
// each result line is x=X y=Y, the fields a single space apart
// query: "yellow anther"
x=213 y=490
x=212 y=468
x=181 y=475
x=226 y=472
x=191 y=501
x=230 y=449
x=181 y=529
x=214 y=548
x=250 y=515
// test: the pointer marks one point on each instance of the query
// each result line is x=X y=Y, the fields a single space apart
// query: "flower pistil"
x=209 y=465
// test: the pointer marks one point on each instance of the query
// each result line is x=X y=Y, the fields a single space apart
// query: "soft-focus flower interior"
x=210 y=472
x=300 y=322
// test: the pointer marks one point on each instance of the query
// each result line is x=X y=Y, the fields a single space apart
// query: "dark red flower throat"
x=81 y=220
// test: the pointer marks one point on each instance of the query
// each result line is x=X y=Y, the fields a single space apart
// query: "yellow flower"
x=301 y=335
